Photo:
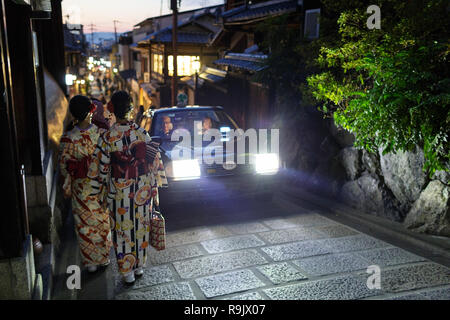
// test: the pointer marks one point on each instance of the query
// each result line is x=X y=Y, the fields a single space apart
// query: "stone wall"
x=18 y=278
x=321 y=157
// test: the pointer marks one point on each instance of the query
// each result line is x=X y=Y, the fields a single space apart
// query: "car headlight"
x=186 y=169
x=266 y=163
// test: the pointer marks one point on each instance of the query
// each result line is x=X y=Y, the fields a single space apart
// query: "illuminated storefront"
x=186 y=65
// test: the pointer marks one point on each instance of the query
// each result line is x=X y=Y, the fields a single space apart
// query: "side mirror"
x=157 y=139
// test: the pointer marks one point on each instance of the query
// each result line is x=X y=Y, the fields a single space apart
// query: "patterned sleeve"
x=101 y=165
x=64 y=155
x=157 y=173
x=156 y=164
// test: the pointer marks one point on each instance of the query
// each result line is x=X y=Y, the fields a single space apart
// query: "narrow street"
x=271 y=150
x=256 y=250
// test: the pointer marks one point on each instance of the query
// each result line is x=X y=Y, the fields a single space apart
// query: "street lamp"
x=196 y=67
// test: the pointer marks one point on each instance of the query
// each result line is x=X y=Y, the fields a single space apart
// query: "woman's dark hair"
x=121 y=101
x=79 y=107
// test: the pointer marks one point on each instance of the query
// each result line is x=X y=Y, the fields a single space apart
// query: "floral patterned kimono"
x=131 y=170
x=91 y=221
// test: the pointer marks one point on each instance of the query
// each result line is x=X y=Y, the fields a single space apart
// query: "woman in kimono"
x=128 y=165
x=77 y=148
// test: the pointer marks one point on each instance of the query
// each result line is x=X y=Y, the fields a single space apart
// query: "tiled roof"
x=250 y=62
x=213 y=75
x=233 y=11
x=206 y=75
x=210 y=77
x=247 y=65
x=212 y=10
x=182 y=37
x=165 y=34
x=260 y=10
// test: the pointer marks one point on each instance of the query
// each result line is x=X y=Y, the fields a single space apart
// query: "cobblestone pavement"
x=293 y=255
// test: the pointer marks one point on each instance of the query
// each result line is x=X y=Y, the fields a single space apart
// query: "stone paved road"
x=280 y=254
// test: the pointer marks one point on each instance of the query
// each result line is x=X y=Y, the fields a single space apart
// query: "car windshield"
x=165 y=123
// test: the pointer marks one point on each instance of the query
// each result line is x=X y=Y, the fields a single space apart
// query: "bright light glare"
x=69 y=79
x=266 y=163
x=91 y=77
x=186 y=169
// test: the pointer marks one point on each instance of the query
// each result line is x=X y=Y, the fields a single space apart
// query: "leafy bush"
x=391 y=86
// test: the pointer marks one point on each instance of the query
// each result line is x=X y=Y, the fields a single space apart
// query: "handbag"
x=157 y=230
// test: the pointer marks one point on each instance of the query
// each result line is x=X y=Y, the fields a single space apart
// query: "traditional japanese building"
x=75 y=54
x=197 y=30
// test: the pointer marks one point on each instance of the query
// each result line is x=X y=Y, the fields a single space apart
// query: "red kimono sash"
x=129 y=165
x=78 y=169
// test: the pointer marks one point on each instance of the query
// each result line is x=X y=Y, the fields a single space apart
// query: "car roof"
x=191 y=108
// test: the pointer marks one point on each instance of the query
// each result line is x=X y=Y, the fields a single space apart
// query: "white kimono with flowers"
x=125 y=166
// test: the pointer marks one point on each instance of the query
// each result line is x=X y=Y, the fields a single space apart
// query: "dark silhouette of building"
x=33 y=112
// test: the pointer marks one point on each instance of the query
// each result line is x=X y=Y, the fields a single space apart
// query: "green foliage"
x=390 y=87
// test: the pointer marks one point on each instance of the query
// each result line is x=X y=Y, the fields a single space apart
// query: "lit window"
x=158 y=63
x=186 y=65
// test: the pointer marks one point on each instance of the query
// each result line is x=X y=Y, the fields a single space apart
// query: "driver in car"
x=206 y=124
x=167 y=127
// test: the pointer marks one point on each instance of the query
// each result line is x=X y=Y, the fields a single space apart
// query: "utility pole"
x=117 y=55
x=92 y=36
x=115 y=30
x=174 y=4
